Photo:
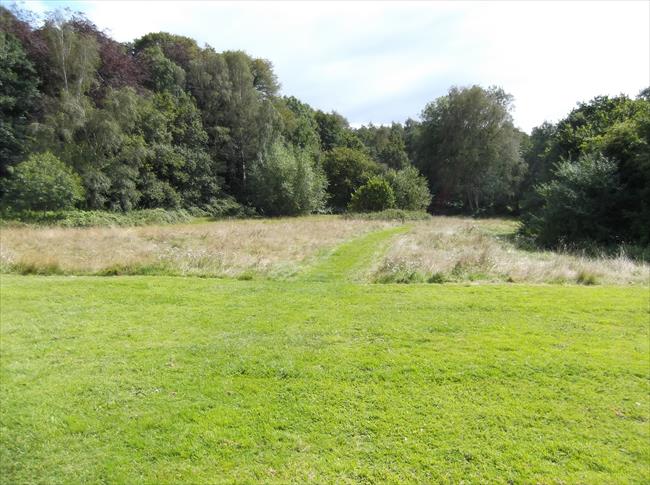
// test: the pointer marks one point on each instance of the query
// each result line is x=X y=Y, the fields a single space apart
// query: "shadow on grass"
x=590 y=249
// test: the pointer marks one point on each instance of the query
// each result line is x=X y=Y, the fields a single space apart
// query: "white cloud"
x=383 y=61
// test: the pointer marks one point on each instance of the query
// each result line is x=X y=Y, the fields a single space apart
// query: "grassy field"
x=316 y=376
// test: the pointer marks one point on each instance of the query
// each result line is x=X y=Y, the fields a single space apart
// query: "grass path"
x=349 y=260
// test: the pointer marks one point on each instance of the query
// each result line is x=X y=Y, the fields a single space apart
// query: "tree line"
x=160 y=122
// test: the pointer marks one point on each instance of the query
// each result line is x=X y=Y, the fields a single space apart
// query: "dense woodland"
x=93 y=124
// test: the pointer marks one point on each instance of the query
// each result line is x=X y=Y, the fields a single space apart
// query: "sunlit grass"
x=181 y=380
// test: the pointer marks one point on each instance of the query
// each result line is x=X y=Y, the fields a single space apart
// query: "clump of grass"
x=245 y=276
x=136 y=269
x=43 y=267
x=399 y=272
x=586 y=278
x=437 y=277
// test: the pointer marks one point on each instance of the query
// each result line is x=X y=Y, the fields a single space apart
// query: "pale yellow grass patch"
x=458 y=249
x=224 y=248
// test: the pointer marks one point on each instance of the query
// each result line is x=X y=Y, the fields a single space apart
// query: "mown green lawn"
x=188 y=380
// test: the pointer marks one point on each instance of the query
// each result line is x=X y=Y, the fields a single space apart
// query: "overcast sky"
x=383 y=61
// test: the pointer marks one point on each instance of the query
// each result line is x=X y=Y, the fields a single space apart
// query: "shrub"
x=42 y=182
x=101 y=218
x=375 y=195
x=579 y=205
x=411 y=189
x=586 y=278
x=225 y=207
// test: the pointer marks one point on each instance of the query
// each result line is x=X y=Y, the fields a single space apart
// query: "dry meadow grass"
x=458 y=249
x=238 y=248
x=439 y=250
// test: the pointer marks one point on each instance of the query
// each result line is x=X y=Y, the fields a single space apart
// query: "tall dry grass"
x=240 y=248
x=457 y=249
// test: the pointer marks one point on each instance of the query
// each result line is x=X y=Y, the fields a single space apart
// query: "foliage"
x=73 y=56
x=334 y=131
x=78 y=218
x=162 y=73
x=469 y=149
x=240 y=120
x=299 y=125
x=346 y=170
x=42 y=182
x=385 y=144
x=375 y=195
x=579 y=203
x=286 y=181
x=17 y=100
x=411 y=189
x=618 y=128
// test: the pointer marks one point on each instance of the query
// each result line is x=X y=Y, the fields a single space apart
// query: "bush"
x=101 y=218
x=411 y=189
x=223 y=208
x=579 y=205
x=375 y=195
x=286 y=181
x=42 y=182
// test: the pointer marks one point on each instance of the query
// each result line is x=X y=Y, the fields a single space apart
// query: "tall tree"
x=469 y=148
x=239 y=117
x=74 y=56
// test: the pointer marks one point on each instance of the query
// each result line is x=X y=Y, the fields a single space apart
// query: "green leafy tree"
x=42 y=182
x=299 y=125
x=374 y=195
x=539 y=154
x=334 y=131
x=618 y=128
x=73 y=56
x=469 y=148
x=386 y=144
x=628 y=143
x=411 y=189
x=579 y=204
x=580 y=131
x=178 y=49
x=232 y=92
x=162 y=74
x=346 y=170
x=18 y=99
x=286 y=181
